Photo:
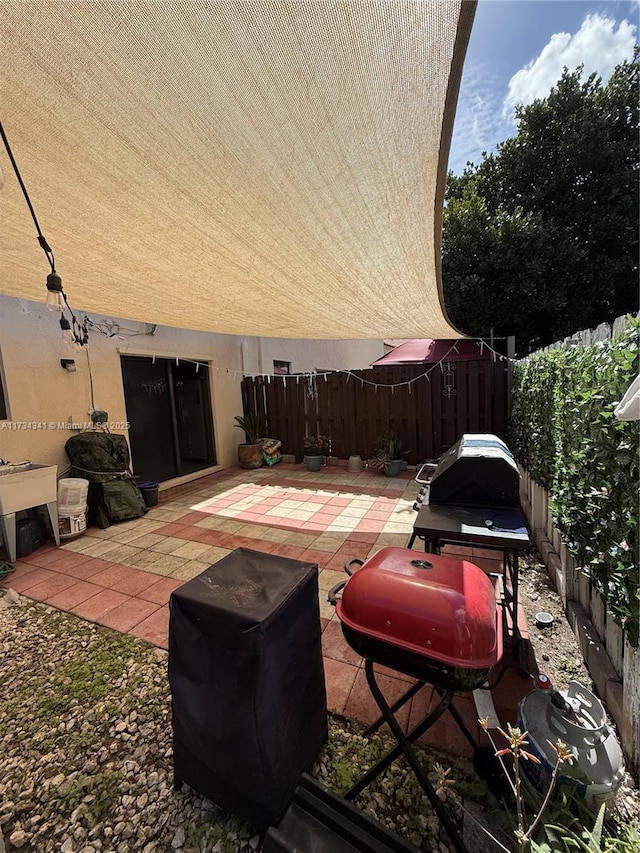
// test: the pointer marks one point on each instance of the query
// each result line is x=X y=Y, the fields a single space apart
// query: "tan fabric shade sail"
x=258 y=168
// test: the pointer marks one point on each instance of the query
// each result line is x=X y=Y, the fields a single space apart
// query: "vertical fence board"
x=355 y=408
x=598 y=612
x=584 y=588
x=631 y=698
x=473 y=398
x=614 y=641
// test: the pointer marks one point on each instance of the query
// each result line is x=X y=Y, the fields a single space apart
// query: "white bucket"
x=71 y=526
x=72 y=492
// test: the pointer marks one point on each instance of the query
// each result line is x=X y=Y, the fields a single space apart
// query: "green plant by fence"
x=563 y=431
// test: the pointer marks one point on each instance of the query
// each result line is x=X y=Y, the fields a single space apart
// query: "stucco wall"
x=306 y=356
x=40 y=393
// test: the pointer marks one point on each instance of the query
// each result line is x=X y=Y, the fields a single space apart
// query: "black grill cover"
x=247 y=682
x=479 y=470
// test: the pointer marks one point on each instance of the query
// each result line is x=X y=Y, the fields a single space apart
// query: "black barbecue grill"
x=479 y=470
x=471 y=496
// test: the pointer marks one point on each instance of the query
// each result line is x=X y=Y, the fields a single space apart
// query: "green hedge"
x=564 y=433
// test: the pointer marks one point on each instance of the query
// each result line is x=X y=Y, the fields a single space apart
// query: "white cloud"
x=479 y=124
x=598 y=45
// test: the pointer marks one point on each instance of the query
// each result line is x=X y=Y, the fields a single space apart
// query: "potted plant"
x=389 y=454
x=250 y=451
x=316 y=447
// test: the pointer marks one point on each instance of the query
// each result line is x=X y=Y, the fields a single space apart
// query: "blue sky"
x=516 y=53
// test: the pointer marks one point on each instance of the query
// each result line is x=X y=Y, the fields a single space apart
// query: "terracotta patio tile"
x=300 y=539
x=231 y=541
x=487 y=553
x=353 y=548
x=96 y=606
x=463 y=552
x=265 y=546
x=45 y=589
x=191 y=550
x=165 y=565
x=75 y=594
x=323 y=623
x=361 y=704
x=125 y=616
x=172 y=528
x=185 y=532
x=359 y=535
x=336 y=647
x=154 y=629
x=21 y=581
x=312 y=527
x=370 y=528
x=328 y=512
x=34 y=556
x=160 y=590
x=339 y=680
x=445 y=734
x=285 y=550
x=337 y=562
x=485 y=564
x=59 y=558
x=379 y=669
x=123 y=579
x=378 y=515
x=328 y=578
x=511 y=685
x=251 y=516
x=209 y=537
x=191 y=517
x=314 y=555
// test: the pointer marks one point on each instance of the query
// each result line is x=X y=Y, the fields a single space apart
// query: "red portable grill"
x=434 y=618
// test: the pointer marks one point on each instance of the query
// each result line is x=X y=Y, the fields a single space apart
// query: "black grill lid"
x=479 y=470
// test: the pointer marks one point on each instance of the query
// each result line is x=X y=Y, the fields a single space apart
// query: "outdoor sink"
x=32 y=485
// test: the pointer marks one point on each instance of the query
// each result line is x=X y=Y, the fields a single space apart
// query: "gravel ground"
x=86 y=759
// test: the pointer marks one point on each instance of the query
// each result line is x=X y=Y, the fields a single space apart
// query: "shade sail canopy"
x=259 y=168
x=428 y=351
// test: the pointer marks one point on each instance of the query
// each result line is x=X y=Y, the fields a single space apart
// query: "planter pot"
x=250 y=455
x=355 y=464
x=392 y=468
x=314 y=463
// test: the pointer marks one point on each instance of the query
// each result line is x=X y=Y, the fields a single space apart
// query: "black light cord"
x=79 y=330
x=46 y=248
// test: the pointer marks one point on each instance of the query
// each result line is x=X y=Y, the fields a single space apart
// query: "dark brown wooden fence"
x=354 y=408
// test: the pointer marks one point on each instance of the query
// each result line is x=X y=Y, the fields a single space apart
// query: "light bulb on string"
x=67 y=334
x=55 y=301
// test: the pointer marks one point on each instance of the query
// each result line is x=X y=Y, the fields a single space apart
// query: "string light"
x=72 y=332
x=310 y=378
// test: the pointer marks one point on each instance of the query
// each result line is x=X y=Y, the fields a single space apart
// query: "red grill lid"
x=437 y=607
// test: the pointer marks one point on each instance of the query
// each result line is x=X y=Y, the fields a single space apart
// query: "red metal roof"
x=428 y=351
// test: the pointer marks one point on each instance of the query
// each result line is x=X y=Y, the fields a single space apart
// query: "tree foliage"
x=541 y=239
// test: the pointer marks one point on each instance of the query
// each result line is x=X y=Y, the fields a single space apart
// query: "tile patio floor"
x=122 y=577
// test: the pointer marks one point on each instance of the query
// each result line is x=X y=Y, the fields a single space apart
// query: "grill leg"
x=461 y=723
x=417 y=687
x=397 y=750
x=404 y=746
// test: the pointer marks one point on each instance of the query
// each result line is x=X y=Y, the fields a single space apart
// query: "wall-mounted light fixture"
x=68 y=364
